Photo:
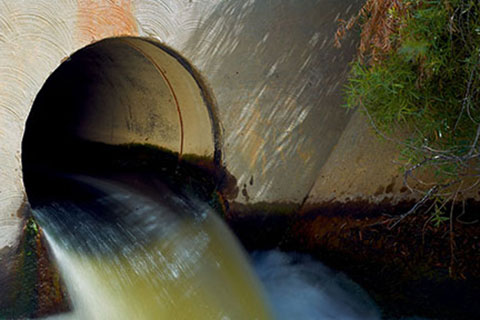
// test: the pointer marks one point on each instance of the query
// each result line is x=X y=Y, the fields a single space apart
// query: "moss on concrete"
x=36 y=289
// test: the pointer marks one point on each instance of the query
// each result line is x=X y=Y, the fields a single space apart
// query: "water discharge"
x=126 y=254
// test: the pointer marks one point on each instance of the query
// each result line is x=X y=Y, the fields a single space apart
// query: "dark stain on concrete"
x=390 y=187
x=245 y=193
x=379 y=191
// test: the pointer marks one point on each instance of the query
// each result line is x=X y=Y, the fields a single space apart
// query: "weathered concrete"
x=271 y=67
x=361 y=166
x=364 y=167
x=274 y=77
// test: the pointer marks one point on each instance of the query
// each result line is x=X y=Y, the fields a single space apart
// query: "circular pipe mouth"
x=120 y=103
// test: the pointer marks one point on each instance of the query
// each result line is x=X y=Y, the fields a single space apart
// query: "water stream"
x=124 y=254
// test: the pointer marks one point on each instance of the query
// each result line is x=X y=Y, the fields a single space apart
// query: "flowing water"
x=300 y=288
x=125 y=254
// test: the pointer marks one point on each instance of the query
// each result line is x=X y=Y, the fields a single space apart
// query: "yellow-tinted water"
x=172 y=267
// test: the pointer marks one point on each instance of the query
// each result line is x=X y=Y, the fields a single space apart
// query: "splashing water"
x=124 y=255
x=168 y=259
x=300 y=288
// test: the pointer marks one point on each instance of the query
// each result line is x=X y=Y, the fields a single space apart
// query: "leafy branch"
x=418 y=73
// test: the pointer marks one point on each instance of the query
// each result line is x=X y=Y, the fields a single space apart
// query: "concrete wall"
x=361 y=167
x=271 y=66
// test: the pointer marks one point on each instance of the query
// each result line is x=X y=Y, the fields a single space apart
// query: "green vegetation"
x=23 y=295
x=417 y=78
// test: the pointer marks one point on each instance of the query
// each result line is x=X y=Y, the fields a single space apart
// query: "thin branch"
x=466 y=99
x=452 y=239
x=474 y=145
x=416 y=206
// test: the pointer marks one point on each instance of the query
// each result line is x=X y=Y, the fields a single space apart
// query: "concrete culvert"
x=127 y=109
x=119 y=91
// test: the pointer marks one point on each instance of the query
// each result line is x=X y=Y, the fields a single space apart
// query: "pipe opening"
x=121 y=104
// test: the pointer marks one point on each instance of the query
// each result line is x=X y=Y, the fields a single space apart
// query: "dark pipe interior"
x=95 y=115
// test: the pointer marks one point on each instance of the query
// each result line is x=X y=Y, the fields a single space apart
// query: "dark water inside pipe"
x=125 y=254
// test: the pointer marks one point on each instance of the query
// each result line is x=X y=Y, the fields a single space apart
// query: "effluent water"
x=127 y=254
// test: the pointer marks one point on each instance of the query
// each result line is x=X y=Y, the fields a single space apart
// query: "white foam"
x=300 y=288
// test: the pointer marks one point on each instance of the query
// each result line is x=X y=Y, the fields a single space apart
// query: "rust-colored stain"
x=98 y=19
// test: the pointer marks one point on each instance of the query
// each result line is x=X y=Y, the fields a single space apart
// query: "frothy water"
x=300 y=288
x=124 y=255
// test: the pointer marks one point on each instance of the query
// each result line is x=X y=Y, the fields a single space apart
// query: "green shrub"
x=418 y=73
